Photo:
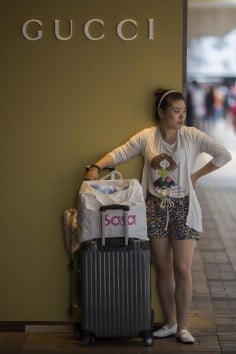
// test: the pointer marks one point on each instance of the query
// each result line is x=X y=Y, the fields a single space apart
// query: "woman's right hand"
x=92 y=174
x=94 y=169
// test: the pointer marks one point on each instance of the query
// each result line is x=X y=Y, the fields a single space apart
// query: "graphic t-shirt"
x=189 y=144
x=168 y=171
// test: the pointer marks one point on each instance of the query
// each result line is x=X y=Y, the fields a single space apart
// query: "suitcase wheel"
x=148 y=339
x=89 y=340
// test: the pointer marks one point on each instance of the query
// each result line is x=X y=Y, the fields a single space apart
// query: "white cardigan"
x=193 y=141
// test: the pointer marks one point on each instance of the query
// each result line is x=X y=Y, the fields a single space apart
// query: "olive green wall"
x=64 y=104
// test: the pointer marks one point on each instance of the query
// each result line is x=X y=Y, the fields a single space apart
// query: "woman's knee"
x=164 y=270
x=183 y=272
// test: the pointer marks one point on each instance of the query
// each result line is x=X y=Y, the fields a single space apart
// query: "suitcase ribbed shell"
x=115 y=289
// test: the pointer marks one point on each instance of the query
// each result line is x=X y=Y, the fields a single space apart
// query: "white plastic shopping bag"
x=97 y=193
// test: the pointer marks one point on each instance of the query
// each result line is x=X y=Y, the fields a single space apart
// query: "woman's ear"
x=160 y=113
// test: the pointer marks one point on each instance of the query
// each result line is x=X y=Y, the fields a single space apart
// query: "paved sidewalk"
x=213 y=316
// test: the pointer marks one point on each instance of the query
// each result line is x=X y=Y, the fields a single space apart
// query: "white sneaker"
x=184 y=336
x=165 y=332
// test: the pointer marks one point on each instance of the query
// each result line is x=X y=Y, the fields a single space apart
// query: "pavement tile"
x=223 y=320
x=228 y=347
x=227 y=337
x=225 y=328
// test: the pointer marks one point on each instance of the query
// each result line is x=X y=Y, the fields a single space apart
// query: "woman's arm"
x=209 y=167
x=220 y=155
x=119 y=155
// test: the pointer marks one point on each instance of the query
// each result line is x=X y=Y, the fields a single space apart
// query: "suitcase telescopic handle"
x=126 y=209
x=114 y=207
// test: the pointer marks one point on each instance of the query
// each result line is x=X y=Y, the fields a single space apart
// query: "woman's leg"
x=182 y=263
x=162 y=253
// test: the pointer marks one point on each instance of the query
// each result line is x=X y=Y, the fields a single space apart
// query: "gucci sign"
x=33 y=29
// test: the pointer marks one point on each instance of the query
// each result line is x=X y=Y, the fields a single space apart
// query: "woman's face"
x=164 y=164
x=174 y=116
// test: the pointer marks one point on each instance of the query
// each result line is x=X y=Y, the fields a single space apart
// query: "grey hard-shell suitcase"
x=115 y=287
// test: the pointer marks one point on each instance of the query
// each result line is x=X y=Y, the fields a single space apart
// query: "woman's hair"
x=164 y=99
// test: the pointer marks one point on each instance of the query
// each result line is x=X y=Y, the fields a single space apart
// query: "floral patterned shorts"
x=166 y=218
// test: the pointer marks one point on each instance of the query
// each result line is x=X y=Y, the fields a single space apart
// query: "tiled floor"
x=213 y=315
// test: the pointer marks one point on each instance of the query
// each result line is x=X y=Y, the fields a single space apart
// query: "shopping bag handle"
x=112 y=175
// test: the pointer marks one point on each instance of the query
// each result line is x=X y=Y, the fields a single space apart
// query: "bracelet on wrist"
x=93 y=166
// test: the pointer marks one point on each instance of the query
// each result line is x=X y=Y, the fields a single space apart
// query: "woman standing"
x=170 y=150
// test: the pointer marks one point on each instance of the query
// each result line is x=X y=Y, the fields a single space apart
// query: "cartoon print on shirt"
x=164 y=163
